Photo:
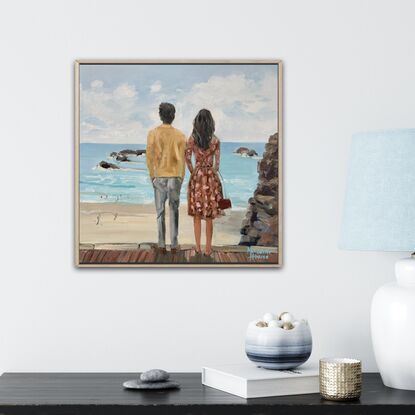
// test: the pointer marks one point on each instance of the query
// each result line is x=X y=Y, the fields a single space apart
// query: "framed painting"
x=178 y=163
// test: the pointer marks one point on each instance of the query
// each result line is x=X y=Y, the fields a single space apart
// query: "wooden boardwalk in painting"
x=133 y=254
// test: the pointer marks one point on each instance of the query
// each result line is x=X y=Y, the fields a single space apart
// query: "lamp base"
x=393 y=327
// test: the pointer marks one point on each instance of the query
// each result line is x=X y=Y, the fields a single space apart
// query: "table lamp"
x=379 y=215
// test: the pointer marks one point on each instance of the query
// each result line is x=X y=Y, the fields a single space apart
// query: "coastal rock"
x=123 y=154
x=106 y=165
x=267 y=188
x=121 y=157
x=260 y=225
x=154 y=375
x=127 y=151
x=241 y=150
x=131 y=152
x=245 y=151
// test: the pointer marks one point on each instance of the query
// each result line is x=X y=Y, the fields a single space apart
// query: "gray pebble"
x=138 y=384
x=154 y=375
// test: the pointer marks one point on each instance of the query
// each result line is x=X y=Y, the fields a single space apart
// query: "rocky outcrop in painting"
x=260 y=226
x=123 y=154
x=245 y=151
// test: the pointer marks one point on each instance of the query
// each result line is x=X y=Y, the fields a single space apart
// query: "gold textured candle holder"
x=340 y=379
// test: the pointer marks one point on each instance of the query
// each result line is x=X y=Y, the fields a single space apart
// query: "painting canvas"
x=178 y=163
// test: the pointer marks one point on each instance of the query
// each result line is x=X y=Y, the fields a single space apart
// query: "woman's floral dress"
x=205 y=189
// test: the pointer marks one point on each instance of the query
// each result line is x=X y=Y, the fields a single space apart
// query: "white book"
x=249 y=381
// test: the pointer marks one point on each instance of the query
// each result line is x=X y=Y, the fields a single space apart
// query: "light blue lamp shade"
x=379 y=212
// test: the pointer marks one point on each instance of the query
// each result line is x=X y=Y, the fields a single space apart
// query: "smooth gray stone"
x=154 y=375
x=138 y=384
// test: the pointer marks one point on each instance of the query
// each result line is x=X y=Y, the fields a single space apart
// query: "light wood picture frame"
x=117 y=223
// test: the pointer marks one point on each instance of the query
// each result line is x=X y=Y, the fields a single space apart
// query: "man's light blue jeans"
x=167 y=188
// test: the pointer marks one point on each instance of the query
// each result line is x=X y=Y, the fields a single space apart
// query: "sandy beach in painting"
x=132 y=223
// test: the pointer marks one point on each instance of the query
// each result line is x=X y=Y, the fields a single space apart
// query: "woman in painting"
x=205 y=189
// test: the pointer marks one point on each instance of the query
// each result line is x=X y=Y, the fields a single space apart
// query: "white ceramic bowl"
x=276 y=348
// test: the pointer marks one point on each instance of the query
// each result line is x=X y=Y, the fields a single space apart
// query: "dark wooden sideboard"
x=102 y=393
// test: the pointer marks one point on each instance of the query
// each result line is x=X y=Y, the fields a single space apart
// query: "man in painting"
x=166 y=166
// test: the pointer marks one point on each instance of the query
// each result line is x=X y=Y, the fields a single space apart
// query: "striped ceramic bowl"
x=276 y=348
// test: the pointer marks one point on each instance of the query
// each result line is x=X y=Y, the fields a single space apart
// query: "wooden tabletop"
x=93 y=393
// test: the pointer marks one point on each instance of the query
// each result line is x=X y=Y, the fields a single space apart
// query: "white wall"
x=348 y=66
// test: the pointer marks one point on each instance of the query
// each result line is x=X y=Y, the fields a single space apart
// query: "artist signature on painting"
x=258 y=254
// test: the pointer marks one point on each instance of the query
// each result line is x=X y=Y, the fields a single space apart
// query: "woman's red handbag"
x=224 y=203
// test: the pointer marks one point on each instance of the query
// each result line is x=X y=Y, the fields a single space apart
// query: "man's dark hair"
x=167 y=112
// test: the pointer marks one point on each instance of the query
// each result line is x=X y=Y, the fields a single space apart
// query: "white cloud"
x=97 y=84
x=111 y=116
x=243 y=109
x=156 y=87
x=125 y=91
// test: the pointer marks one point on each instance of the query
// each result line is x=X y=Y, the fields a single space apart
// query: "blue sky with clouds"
x=119 y=103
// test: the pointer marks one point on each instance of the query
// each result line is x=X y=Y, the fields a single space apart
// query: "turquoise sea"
x=131 y=183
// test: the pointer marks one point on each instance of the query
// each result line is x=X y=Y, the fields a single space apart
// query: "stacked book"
x=248 y=381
